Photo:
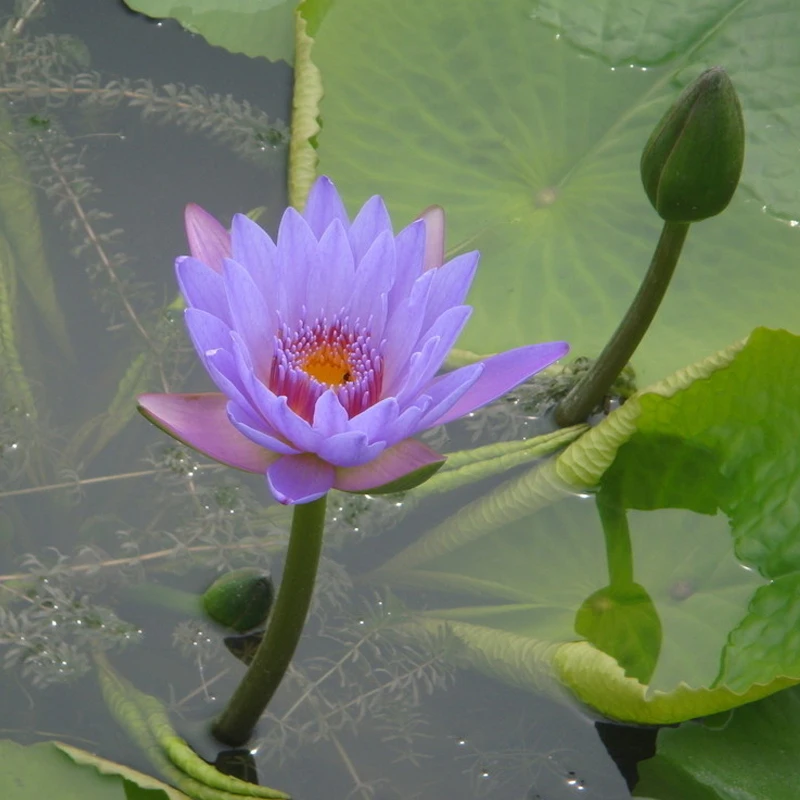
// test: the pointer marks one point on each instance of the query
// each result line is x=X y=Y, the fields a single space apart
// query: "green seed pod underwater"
x=240 y=599
x=691 y=164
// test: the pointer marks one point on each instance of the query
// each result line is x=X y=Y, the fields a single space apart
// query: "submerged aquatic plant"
x=326 y=347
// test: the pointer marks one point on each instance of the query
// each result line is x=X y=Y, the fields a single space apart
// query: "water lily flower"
x=326 y=346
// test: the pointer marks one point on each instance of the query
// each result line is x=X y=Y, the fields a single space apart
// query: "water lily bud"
x=692 y=162
x=240 y=599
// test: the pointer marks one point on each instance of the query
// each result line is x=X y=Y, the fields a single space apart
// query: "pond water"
x=109 y=531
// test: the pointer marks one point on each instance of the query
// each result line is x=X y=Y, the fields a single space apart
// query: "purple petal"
x=405 y=457
x=402 y=332
x=373 y=279
x=250 y=316
x=434 y=236
x=428 y=361
x=244 y=364
x=372 y=220
x=446 y=390
x=222 y=368
x=323 y=206
x=349 y=449
x=207 y=332
x=409 y=246
x=377 y=419
x=384 y=422
x=253 y=248
x=330 y=416
x=244 y=422
x=201 y=421
x=450 y=285
x=208 y=240
x=293 y=428
x=502 y=373
x=202 y=287
x=407 y=424
x=338 y=270
x=298 y=254
x=299 y=479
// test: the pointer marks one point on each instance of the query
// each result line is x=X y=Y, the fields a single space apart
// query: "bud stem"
x=589 y=392
x=236 y=723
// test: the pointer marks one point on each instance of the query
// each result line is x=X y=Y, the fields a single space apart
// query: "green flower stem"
x=589 y=392
x=617 y=535
x=236 y=723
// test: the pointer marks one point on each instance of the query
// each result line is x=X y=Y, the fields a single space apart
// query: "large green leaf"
x=532 y=145
x=681 y=567
x=754 y=41
x=253 y=27
x=53 y=769
x=753 y=756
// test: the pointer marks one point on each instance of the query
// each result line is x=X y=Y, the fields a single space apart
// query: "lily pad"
x=736 y=35
x=253 y=27
x=53 y=769
x=752 y=756
x=532 y=145
x=666 y=537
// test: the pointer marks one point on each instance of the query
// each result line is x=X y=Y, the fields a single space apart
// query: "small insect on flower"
x=325 y=347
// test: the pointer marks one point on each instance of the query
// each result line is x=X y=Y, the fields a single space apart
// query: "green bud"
x=692 y=162
x=240 y=599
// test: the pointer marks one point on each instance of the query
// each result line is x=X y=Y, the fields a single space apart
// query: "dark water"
x=106 y=535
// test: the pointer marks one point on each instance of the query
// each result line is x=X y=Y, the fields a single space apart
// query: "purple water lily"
x=326 y=345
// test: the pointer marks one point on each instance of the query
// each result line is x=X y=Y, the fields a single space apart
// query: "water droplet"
x=681 y=590
x=576 y=783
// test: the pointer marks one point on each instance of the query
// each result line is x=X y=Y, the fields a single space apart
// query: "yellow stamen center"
x=329 y=364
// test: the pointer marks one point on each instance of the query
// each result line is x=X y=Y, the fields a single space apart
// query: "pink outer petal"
x=434 y=237
x=501 y=374
x=201 y=421
x=299 y=479
x=208 y=240
x=406 y=456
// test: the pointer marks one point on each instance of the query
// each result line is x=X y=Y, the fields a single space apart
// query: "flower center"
x=328 y=364
x=312 y=358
